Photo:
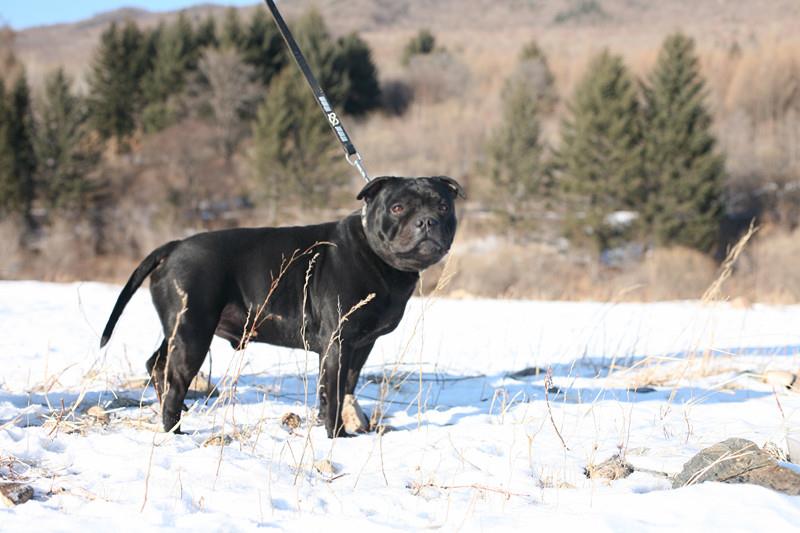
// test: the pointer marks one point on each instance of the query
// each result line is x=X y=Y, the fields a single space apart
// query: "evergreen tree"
x=263 y=47
x=233 y=34
x=206 y=33
x=682 y=165
x=355 y=60
x=293 y=150
x=17 y=157
x=115 y=80
x=149 y=46
x=422 y=43
x=175 y=57
x=8 y=183
x=64 y=147
x=516 y=164
x=600 y=157
x=323 y=57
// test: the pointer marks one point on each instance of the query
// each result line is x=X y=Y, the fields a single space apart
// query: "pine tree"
x=323 y=56
x=233 y=34
x=263 y=47
x=17 y=157
x=422 y=43
x=206 y=33
x=293 y=150
x=115 y=80
x=175 y=56
x=355 y=60
x=600 y=157
x=8 y=183
x=516 y=164
x=682 y=165
x=64 y=147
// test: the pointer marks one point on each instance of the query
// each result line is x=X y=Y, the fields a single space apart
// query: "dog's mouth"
x=428 y=247
x=422 y=254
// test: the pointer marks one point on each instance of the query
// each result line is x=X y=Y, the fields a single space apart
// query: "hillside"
x=568 y=27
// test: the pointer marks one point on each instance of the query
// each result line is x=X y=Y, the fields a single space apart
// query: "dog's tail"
x=137 y=278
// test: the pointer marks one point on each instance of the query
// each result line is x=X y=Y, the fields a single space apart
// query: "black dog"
x=251 y=284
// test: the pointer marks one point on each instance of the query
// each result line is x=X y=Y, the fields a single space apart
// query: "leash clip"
x=359 y=164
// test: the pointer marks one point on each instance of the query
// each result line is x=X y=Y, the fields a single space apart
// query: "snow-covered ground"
x=472 y=443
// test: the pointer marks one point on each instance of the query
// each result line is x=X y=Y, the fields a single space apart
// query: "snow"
x=471 y=445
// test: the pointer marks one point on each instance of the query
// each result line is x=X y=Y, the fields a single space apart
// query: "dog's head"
x=410 y=222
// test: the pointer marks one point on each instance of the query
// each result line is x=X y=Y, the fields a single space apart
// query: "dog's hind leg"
x=188 y=350
x=155 y=368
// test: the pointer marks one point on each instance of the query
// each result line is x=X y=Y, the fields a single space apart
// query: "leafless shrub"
x=496 y=268
x=767 y=89
x=231 y=95
x=13 y=262
x=9 y=65
x=436 y=77
x=769 y=270
x=670 y=273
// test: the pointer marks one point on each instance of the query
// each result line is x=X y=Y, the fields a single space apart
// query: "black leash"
x=352 y=155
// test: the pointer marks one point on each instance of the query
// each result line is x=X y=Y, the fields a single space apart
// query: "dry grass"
x=674 y=371
x=769 y=272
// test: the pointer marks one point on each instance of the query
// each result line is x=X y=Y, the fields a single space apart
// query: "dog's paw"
x=353 y=418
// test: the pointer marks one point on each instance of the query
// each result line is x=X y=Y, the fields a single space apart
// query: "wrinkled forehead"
x=423 y=190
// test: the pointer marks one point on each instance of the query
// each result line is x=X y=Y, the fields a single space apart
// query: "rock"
x=290 y=421
x=99 y=414
x=325 y=467
x=120 y=402
x=738 y=461
x=642 y=389
x=353 y=417
x=613 y=468
x=201 y=388
x=527 y=372
x=218 y=440
x=775 y=451
x=793 y=449
x=15 y=493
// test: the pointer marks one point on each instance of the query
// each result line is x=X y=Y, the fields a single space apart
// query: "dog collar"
x=364 y=217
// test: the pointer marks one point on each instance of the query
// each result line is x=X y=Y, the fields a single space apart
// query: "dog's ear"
x=373 y=187
x=458 y=190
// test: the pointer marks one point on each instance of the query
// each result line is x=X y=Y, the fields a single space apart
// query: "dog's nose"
x=426 y=223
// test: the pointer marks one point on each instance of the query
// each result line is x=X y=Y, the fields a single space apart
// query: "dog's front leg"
x=353 y=417
x=332 y=385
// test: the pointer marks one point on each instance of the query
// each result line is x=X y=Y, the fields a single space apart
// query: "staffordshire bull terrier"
x=330 y=288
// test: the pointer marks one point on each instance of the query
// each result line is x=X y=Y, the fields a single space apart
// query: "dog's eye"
x=397 y=209
x=444 y=208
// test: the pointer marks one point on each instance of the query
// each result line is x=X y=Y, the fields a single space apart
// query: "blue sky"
x=21 y=14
